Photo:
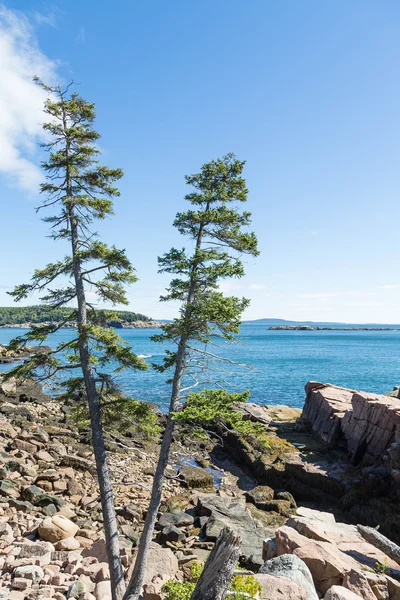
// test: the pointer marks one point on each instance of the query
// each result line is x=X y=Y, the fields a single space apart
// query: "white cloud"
x=391 y=286
x=49 y=19
x=21 y=100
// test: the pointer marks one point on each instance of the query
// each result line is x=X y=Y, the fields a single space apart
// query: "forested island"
x=26 y=316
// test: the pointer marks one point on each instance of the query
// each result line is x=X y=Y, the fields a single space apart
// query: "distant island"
x=31 y=316
x=309 y=328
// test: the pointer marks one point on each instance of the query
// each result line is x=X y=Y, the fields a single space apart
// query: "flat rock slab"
x=232 y=513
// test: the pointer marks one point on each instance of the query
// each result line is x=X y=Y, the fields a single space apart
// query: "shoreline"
x=72 y=325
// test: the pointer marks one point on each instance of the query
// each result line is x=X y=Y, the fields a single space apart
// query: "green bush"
x=245 y=587
x=203 y=410
x=121 y=414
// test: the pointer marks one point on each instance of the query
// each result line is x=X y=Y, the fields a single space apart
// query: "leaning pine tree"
x=216 y=226
x=81 y=190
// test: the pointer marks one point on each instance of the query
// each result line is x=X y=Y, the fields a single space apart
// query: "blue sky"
x=308 y=92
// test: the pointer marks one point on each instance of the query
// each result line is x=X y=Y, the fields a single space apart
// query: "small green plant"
x=245 y=587
x=381 y=568
x=178 y=590
x=204 y=409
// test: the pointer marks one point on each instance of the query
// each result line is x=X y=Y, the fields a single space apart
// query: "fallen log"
x=220 y=566
x=381 y=542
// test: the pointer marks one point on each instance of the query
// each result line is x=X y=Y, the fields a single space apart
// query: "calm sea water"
x=281 y=362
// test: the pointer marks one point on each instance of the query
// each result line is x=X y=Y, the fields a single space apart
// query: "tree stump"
x=219 y=568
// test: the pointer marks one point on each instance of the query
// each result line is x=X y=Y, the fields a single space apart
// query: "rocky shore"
x=294 y=495
x=72 y=325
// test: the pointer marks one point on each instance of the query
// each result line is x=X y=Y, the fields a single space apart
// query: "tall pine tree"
x=81 y=192
x=217 y=229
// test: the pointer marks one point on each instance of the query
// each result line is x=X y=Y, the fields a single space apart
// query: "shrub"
x=203 y=410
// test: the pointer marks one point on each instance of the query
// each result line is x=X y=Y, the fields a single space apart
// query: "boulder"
x=170 y=533
x=324 y=409
x=69 y=543
x=327 y=564
x=56 y=528
x=194 y=477
x=357 y=583
x=8 y=489
x=291 y=567
x=337 y=592
x=279 y=588
x=260 y=496
x=322 y=526
x=161 y=562
x=177 y=517
x=103 y=590
x=232 y=513
x=31 y=572
x=370 y=426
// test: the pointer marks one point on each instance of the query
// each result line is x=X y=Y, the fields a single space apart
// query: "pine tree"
x=82 y=191
x=216 y=227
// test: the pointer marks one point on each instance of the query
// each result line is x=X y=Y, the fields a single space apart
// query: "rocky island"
x=298 y=496
x=317 y=328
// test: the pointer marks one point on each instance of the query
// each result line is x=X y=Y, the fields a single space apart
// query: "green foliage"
x=208 y=408
x=15 y=315
x=245 y=587
x=121 y=414
x=80 y=191
x=381 y=568
x=178 y=590
x=217 y=228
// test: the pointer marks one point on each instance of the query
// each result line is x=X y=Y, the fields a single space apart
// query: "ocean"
x=277 y=363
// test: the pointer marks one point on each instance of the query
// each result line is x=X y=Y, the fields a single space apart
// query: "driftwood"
x=219 y=568
x=380 y=541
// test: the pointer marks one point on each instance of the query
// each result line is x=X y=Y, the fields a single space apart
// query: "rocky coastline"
x=72 y=325
x=295 y=497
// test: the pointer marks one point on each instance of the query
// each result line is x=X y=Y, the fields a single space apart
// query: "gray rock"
x=26 y=507
x=31 y=493
x=177 y=518
x=292 y=567
x=29 y=550
x=31 y=572
x=130 y=533
x=131 y=511
x=232 y=513
x=76 y=589
x=8 y=489
x=260 y=496
x=171 y=534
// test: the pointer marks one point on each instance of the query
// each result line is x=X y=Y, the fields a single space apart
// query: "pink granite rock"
x=324 y=408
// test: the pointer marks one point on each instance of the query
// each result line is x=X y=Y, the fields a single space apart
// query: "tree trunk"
x=218 y=570
x=103 y=474
x=380 y=541
x=135 y=585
